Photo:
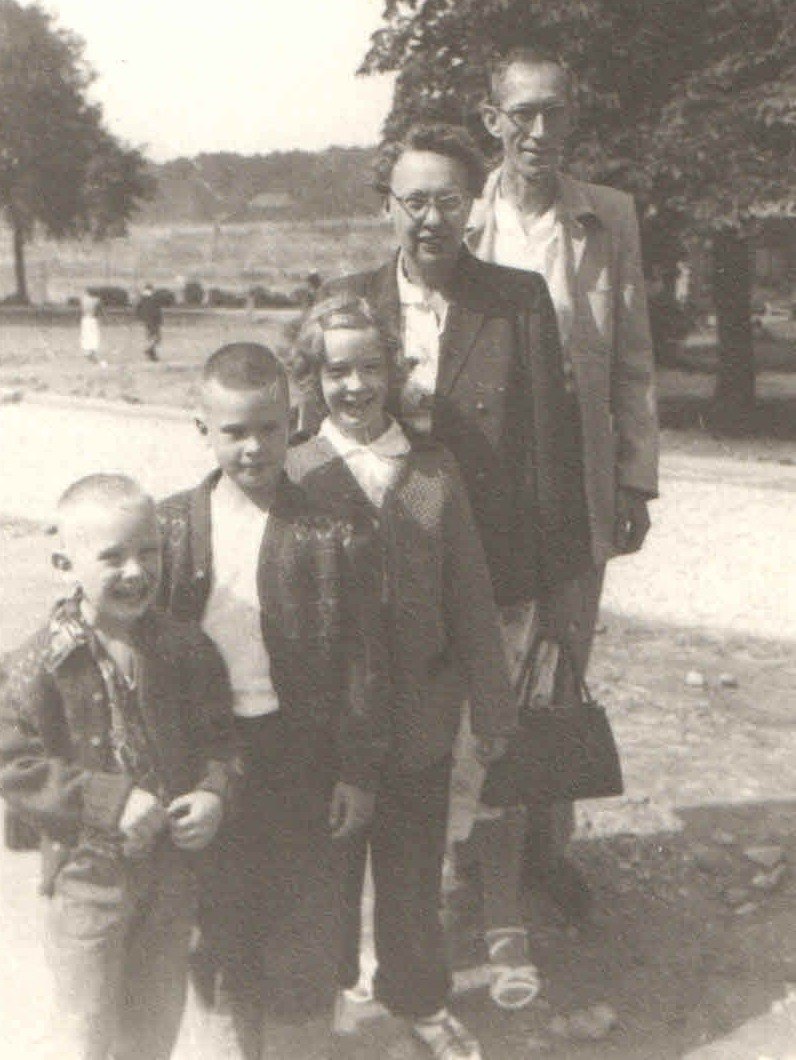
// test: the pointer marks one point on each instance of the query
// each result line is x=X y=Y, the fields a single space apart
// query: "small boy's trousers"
x=273 y=926
x=119 y=936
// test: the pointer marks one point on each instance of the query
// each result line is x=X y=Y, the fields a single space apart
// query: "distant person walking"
x=89 y=326
x=150 y=313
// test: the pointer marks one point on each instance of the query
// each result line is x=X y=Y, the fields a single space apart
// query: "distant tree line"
x=292 y=185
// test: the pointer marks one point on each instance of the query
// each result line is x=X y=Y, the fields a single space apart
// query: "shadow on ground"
x=773 y=418
x=680 y=963
x=685 y=946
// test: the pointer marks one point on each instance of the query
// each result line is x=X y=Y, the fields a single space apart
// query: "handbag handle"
x=567 y=653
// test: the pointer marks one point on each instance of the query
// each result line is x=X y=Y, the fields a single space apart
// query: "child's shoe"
x=447 y=1038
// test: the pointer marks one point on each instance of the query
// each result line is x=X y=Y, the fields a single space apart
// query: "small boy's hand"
x=194 y=819
x=350 y=810
x=143 y=819
x=489 y=749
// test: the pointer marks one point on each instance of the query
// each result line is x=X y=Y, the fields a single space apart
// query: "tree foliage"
x=688 y=104
x=59 y=166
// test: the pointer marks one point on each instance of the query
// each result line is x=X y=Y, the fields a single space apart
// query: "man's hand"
x=489 y=749
x=194 y=819
x=143 y=819
x=632 y=521
x=351 y=809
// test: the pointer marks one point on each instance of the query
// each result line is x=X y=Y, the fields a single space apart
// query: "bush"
x=111 y=297
x=261 y=298
x=165 y=298
x=218 y=298
x=193 y=293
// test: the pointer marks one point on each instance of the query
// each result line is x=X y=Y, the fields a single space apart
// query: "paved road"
x=719 y=555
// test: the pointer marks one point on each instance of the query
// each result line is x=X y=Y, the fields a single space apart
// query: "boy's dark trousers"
x=119 y=935
x=273 y=925
x=407 y=844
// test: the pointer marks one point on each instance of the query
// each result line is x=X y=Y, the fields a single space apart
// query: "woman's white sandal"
x=512 y=986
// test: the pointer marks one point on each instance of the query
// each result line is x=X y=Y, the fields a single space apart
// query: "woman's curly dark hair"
x=451 y=141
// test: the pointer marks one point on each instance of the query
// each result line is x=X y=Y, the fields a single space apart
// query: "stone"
x=766 y=856
x=746 y=908
x=728 y=680
x=592 y=1024
x=534 y=1044
x=723 y=839
x=559 y=1026
x=769 y=881
x=736 y=896
x=708 y=860
x=695 y=679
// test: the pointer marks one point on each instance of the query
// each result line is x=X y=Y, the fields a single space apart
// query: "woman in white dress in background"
x=90 y=327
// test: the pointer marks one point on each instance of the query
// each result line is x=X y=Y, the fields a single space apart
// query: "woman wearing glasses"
x=474 y=363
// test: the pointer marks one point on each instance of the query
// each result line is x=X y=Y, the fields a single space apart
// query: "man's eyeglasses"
x=416 y=205
x=524 y=119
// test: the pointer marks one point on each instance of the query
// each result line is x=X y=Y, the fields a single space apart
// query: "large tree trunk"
x=19 y=262
x=734 y=397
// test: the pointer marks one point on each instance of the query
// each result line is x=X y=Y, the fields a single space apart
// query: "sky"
x=177 y=77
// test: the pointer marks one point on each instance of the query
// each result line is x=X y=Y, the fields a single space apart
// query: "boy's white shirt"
x=232 y=614
x=374 y=465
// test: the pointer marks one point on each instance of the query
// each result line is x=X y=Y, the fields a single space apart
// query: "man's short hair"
x=341 y=311
x=102 y=488
x=244 y=366
x=451 y=141
x=523 y=55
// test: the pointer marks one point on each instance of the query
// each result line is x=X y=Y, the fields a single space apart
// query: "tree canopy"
x=688 y=104
x=59 y=166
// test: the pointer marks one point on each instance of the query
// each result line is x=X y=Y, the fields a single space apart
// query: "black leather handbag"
x=562 y=751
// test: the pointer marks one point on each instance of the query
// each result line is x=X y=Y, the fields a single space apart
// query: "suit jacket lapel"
x=577 y=236
x=269 y=567
x=461 y=330
x=464 y=323
x=386 y=302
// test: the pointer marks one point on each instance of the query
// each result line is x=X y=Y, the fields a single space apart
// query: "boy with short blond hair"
x=274 y=582
x=116 y=741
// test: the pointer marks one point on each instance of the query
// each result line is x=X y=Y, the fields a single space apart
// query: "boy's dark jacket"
x=57 y=766
x=319 y=619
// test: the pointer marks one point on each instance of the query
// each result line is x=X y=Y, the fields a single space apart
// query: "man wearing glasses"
x=475 y=363
x=583 y=239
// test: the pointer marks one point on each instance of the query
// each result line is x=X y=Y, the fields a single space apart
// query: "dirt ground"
x=684 y=946
x=39 y=352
